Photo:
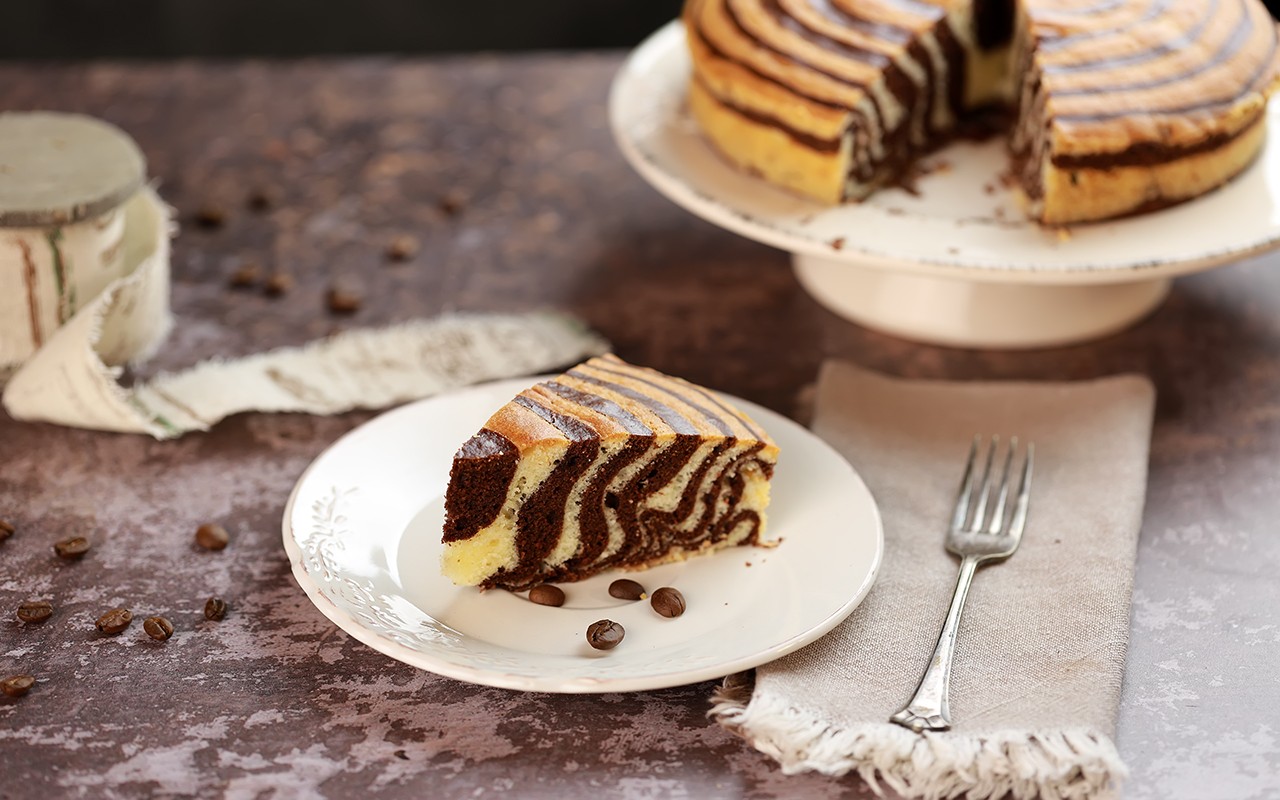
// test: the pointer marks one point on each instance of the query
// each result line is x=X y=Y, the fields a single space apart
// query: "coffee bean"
x=277 y=285
x=547 y=595
x=6 y=529
x=627 y=589
x=210 y=216
x=75 y=547
x=245 y=276
x=260 y=199
x=35 y=611
x=605 y=634
x=402 y=248
x=212 y=536
x=17 y=685
x=668 y=602
x=342 y=301
x=158 y=628
x=215 y=608
x=115 y=621
x=452 y=204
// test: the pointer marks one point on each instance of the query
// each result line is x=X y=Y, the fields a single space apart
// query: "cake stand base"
x=961 y=313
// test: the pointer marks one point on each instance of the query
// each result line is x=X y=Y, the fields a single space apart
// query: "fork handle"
x=929 y=709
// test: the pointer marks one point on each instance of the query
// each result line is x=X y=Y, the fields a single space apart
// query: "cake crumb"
x=909 y=181
x=1063 y=234
x=837 y=243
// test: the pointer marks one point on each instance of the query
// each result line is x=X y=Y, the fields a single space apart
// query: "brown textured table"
x=275 y=701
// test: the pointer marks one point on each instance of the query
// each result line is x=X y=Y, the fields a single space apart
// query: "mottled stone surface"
x=275 y=701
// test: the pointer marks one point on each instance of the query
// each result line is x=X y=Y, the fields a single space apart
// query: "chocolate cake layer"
x=482 y=470
x=608 y=465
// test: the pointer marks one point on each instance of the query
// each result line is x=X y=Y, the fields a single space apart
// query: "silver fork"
x=977 y=537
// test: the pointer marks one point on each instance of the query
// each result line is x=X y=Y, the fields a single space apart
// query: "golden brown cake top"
x=606 y=397
x=815 y=60
x=1151 y=73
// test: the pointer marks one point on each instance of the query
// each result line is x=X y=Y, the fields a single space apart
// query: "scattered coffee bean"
x=17 y=685
x=158 y=628
x=627 y=589
x=277 y=285
x=342 y=301
x=547 y=595
x=605 y=634
x=215 y=608
x=212 y=536
x=402 y=248
x=260 y=199
x=210 y=216
x=75 y=547
x=668 y=602
x=451 y=204
x=114 y=621
x=6 y=529
x=35 y=611
x=245 y=276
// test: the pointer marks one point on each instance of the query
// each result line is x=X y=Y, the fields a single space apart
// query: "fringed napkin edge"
x=1050 y=765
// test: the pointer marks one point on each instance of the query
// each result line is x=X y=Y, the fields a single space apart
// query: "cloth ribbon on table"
x=72 y=377
x=1036 y=682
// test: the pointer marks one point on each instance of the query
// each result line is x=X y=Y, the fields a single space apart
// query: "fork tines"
x=971 y=511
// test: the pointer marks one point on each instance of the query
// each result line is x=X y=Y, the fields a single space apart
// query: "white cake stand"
x=957 y=264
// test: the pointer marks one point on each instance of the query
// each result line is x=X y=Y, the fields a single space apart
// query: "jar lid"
x=56 y=169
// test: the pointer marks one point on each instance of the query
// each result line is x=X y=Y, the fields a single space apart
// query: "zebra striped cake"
x=1119 y=106
x=608 y=465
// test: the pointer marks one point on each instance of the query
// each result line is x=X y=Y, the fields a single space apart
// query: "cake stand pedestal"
x=964 y=313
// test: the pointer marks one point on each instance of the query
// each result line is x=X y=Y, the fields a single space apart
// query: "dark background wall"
x=167 y=28
x=174 y=28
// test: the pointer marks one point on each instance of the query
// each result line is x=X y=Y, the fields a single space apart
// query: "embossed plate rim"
x=892 y=231
x=322 y=535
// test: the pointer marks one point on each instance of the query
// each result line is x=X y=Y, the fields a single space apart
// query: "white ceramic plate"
x=963 y=224
x=362 y=530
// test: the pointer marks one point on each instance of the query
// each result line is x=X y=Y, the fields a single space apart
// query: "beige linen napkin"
x=1040 y=658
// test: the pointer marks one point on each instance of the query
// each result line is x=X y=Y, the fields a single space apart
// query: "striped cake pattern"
x=835 y=98
x=608 y=465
